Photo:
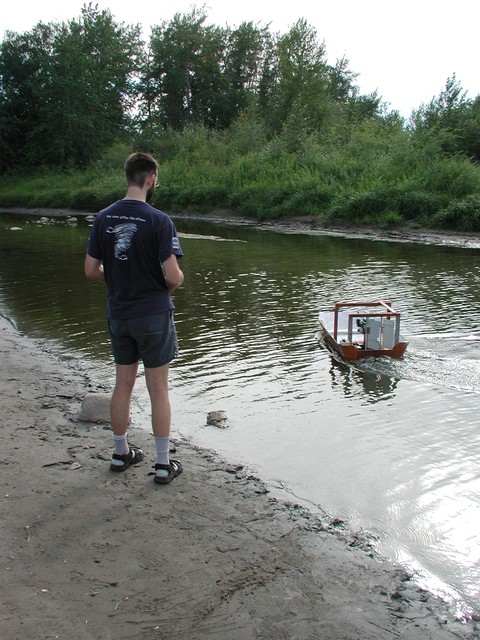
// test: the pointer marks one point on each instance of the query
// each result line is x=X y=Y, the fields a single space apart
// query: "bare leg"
x=122 y=393
x=157 y=385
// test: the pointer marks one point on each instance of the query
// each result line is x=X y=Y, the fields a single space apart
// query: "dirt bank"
x=311 y=226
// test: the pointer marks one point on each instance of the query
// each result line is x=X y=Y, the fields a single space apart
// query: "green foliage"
x=86 y=191
x=260 y=201
x=452 y=120
x=419 y=205
x=302 y=79
x=247 y=134
x=455 y=177
x=64 y=90
x=25 y=63
x=199 y=198
x=185 y=79
x=111 y=160
x=69 y=91
x=462 y=215
x=389 y=219
x=238 y=118
x=363 y=207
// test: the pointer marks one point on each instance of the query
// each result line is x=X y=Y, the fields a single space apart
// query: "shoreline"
x=303 y=225
x=309 y=226
x=213 y=555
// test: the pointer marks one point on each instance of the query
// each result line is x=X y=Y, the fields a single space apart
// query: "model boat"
x=363 y=329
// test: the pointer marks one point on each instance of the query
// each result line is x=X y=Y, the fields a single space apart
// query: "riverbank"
x=311 y=226
x=305 y=225
x=91 y=554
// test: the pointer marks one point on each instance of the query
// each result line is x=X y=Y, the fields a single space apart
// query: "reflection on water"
x=391 y=445
x=353 y=382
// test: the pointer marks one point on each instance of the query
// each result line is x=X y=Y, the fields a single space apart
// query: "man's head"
x=139 y=167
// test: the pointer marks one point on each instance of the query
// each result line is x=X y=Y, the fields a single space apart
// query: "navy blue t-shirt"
x=133 y=239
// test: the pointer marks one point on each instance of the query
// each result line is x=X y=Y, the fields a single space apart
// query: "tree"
x=95 y=65
x=451 y=121
x=185 y=79
x=471 y=132
x=65 y=89
x=301 y=77
x=245 y=57
x=25 y=79
x=344 y=91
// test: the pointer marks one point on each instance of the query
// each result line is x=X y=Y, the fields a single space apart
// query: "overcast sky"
x=405 y=50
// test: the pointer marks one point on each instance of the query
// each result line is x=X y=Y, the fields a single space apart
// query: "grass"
x=360 y=181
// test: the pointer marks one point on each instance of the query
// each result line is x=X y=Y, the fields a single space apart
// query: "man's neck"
x=135 y=193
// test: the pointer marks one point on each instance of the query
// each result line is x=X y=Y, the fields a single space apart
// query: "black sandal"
x=174 y=469
x=134 y=456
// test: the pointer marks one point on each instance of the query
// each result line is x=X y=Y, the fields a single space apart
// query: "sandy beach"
x=88 y=554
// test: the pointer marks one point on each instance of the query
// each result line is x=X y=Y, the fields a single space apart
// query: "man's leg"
x=157 y=385
x=120 y=415
x=120 y=404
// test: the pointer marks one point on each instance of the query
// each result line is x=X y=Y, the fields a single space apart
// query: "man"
x=133 y=248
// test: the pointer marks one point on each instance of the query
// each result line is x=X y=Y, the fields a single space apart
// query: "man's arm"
x=94 y=269
x=172 y=272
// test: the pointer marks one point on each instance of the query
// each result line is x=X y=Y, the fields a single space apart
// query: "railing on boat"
x=388 y=314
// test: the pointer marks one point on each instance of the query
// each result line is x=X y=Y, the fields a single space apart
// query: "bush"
x=200 y=198
x=165 y=196
x=389 y=219
x=260 y=201
x=420 y=205
x=307 y=201
x=463 y=215
x=371 y=204
x=112 y=159
x=92 y=198
x=453 y=177
x=246 y=135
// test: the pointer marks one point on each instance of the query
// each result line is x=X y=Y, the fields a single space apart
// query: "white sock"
x=121 y=447
x=162 y=446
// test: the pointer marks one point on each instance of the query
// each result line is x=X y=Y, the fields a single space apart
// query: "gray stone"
x=218 y=419
x=95 y=408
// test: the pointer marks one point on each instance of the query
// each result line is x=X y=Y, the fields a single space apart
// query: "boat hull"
x=359 y=330
x=352 y=352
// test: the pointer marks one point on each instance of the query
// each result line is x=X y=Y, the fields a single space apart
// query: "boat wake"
x=424 y=362
x=428 y=367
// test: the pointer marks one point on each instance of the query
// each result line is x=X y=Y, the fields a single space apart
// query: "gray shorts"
x=152 y=339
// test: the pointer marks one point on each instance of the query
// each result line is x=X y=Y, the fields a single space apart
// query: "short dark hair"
x=138 y=166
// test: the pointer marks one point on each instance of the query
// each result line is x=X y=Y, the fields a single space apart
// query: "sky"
x=405 y=50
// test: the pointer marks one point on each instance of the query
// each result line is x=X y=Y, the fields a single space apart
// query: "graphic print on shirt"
x=123 y=238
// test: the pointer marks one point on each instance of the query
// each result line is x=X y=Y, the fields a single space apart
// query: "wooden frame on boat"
x=376 y=332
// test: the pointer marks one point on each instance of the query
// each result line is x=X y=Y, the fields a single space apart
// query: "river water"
x=390 y=446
